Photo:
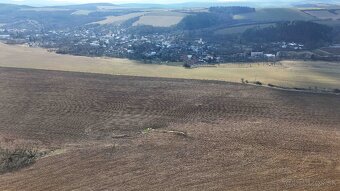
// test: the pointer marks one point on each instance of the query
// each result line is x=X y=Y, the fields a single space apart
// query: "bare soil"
x=107 y=132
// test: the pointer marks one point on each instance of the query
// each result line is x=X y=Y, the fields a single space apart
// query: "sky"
x=64 y=2
x=112 y=1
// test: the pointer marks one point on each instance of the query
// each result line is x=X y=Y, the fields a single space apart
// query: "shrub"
x=336 y=90
x=11 y=160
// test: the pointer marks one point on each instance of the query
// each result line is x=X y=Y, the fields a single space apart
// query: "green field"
x=287 y=73
x=240 y=29
x=275 y=14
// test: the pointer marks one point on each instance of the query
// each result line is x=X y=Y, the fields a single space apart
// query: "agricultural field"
x=44 y=9
x=301 y=74
x=275 y=14
x=240 y=29
x=98 y=132
x=324 y=14
x=82 y=12
x=160 y=19
x=119 y=19
x=332 y=50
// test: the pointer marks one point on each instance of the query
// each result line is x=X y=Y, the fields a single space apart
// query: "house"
x=270 y=57
x=5 y=36
x=256 y=54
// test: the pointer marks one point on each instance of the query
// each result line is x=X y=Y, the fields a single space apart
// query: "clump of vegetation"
x=11 y=160
x=147 y=130
x=252 y=82
x=336 y=90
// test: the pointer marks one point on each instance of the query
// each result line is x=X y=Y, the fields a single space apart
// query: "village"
x=157 y=48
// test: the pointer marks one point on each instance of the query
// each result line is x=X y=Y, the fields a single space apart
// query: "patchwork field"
x=104 y=132
x=287 y=73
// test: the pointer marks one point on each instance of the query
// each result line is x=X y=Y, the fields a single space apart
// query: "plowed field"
x=107 y=132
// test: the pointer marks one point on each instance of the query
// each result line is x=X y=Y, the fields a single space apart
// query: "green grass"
x=275 y=14
x=240 y=29
x=147 y=130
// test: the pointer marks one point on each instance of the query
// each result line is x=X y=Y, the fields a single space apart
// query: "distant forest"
x=308 y=33
x=215 y=17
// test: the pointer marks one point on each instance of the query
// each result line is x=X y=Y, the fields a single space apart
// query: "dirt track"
x=122 y=133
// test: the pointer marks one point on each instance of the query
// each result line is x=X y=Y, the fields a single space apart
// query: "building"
x=256 y=54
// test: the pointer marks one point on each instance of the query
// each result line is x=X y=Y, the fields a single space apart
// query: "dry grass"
x=287 y=73
x=45 y=9
x=82 y=12
x=160 y=19
x=119 y=19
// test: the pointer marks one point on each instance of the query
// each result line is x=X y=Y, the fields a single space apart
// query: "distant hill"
x=89 y=6
x=193 y=4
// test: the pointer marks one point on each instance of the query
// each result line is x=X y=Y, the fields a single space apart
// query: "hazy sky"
x=119 y=1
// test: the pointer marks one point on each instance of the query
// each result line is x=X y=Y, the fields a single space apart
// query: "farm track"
x=236 y=137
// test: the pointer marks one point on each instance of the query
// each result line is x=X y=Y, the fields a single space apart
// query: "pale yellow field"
x=119 y=19
x=287 y=73
x=38 y=9
x=160 y=19
x=82 y=12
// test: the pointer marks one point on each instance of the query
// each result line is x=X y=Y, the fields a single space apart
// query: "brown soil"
x=134 y=133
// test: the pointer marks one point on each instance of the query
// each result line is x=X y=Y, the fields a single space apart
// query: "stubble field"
x=301 y=74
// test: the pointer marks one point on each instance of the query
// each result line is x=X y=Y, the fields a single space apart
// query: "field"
x=134 y=133
x=160 y=19
x=82 y=12
x=41 y=9
x=287 y=73
x=275 y=14
x=240 y=29
x=323 y=14
x=332 y=50
x=119 y=19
